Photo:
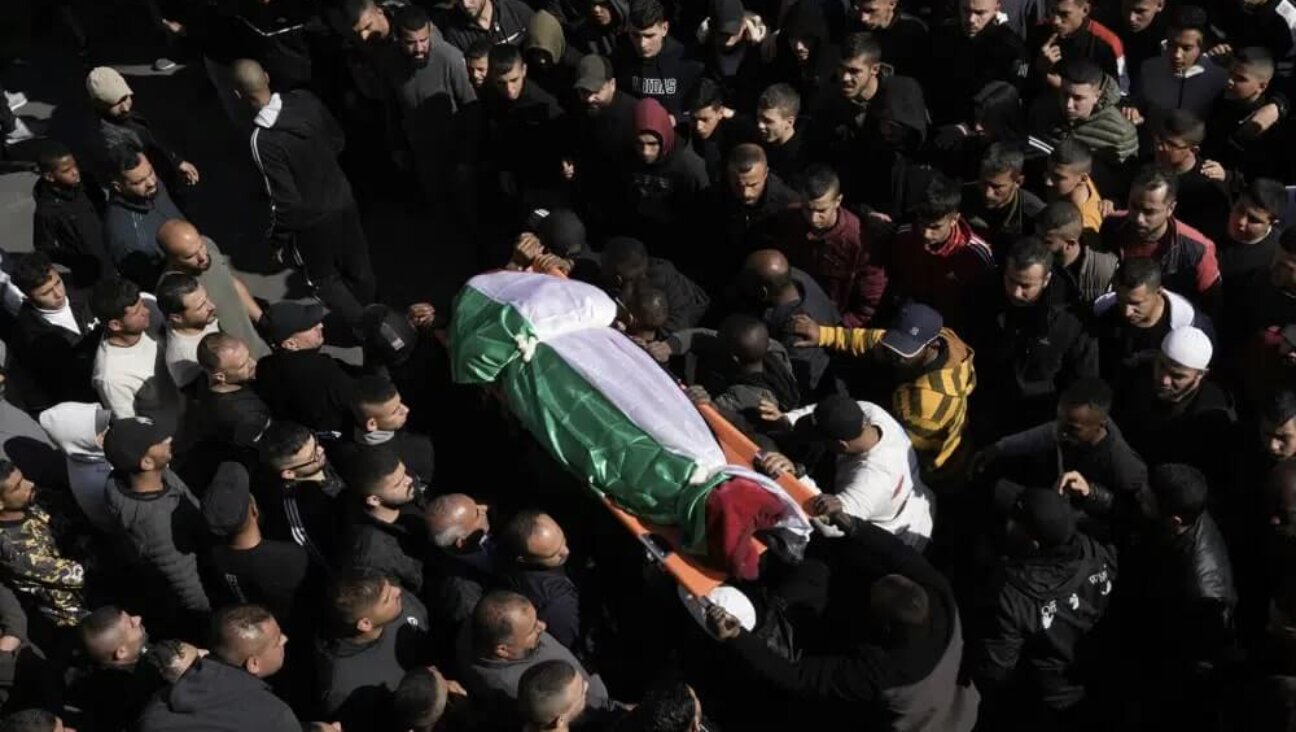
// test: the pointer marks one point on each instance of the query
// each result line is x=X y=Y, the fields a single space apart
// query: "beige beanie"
x=106 y=86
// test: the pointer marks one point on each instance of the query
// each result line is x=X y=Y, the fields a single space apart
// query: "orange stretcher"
x=693 y=575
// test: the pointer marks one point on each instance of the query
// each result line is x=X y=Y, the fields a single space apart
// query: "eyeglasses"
x=315 y=457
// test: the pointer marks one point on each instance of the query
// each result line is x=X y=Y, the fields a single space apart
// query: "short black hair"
x=940 y=197
x=540 y=690
x=412 y=18
x=492 y=619
x=705 y=93
x=210 y=347
x=1279 y=409
x=50 y=153
x=366 y=468
x=1153 y=177
x=1002 y=158
x=371 y=389
x=280 y=441
x=646 y=13
x=1183 y=124
x=1257 y=59
x=1187 y=17
x=861 y=45
x=624 y=254
x=30 y=720
x=1087 y=392
x=172 y=290
x=1266 y=193
x=31 y=271
x=502 y=58
x=1138 y=272
x=666 y=707
x=419 y=700
x=1073 y=154
x=1059 y=215
x=746 y=156
x=818 y=181
x=124 y=157
x=1080 y=70
x=110 y=298
x=649 y=304
x=513 y=537
x=745 y=337
x=479 y=48
x=782 y=97
x=1029 y=251
x=1180 y=490
x=351 y=596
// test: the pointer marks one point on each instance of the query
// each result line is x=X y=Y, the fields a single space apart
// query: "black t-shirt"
x=236 y=418
x=268 y=574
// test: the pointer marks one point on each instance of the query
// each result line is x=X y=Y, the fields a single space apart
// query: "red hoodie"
x=651 y=116
x=939 y=277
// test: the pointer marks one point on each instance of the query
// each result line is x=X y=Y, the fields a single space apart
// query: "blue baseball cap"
x=915 y=326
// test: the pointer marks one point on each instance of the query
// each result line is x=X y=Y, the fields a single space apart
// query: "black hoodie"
x=667 y=77
x=805 y=21
x=962 y=66
x=215 y=697
x=68 y=226
x=295 y=144
x=587 y=37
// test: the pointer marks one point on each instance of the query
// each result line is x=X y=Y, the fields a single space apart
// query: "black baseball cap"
x=228 y=499
x=727 y=16
x=128 y=440
x=592 y=73
x=836 y=417
x=286 y=318
x=1045 y=514
x=915 y=326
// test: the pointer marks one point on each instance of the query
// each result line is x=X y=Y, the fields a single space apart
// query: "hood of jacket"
x=74 y=427
x=545 y=33
x=902 y=104
x=956 y=378
x=217 y=696
x=805 y=21
x=651 y=116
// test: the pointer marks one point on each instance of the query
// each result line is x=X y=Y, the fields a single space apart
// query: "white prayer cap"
x=1189 y=347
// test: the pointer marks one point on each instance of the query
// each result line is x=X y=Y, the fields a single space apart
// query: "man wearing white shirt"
x=190 y=315
x=878 y=478
x=129 y=375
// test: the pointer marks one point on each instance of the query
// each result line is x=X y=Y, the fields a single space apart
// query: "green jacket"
x=1107 y=133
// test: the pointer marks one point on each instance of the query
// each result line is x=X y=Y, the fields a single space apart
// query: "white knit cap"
x=106 y=86
x=1189 y=347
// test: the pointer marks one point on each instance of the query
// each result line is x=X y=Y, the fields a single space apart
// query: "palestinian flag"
x=599 y=404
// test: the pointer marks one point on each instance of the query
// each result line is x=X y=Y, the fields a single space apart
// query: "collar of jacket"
x=139 y=206
x=269 y=114
x=959 y=236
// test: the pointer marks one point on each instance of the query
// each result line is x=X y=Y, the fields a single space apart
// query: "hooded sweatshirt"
x=660 y=190
x=805 y=21
x=667 y=77
x=295 y=144
x=545 y=34
x=215 y=697
x=1106 y=132
x=74 y=427
x=589 y=37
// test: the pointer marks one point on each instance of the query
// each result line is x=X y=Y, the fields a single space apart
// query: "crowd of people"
x=1009 y=281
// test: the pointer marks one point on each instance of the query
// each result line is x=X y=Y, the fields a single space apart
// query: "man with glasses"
x=298 y=490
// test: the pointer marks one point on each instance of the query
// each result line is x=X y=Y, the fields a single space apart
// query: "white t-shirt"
x=182 y=354
x=63 y=318
x=133 y=381
x=884 y=486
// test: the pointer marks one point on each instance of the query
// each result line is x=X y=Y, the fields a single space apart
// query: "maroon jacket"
x=841 y=260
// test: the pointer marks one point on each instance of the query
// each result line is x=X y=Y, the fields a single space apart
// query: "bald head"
x=767 y=270
x=251 y=82
x=249 y=637
x=454 y=518
x=533 y=538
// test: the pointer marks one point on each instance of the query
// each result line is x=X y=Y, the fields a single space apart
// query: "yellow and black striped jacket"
x=932 y=407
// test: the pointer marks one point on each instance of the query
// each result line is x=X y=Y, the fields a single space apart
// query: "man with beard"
x=1175 y=414
x=114 y=682
x=189 y=252
x=235 y=415
x=68 y=224
x=430 y=87
x=52 y=582
x=298 y=490
x=138 y=205
x=500 y=21
x=129 y=374
x=386 y=532
x=374 y=633
x=189 y=315
x=503 y=640
x=114 y=102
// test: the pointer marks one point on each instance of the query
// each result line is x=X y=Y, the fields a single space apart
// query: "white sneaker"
x=21 y=133
x=164 y=64
x=15 y=100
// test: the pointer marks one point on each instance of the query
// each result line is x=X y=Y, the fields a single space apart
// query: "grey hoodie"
x=161 y=530
x=75 y=428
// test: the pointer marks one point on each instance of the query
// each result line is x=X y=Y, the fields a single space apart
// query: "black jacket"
x=1043 y=608
x=805 y=21
x=60 y=362
x=687 y=302
x=296 y=147
x=508 y=25
x=307 y=387
x=523 y=139
x=305 y=512
x=395 y=549
x=109 y=699
x=68 y=226
x=1232 y=144
x=1198 y=431
x=216 y=697
x=270 y=574
x=905 y=43
x=1001 y=227
x=732 y=230
x=159 y=534
x=714 y=150
x=598 y=144
x=963 y=66
x=357 y=678
x=556 y=599
x=667 y=77
x=1026 y=355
